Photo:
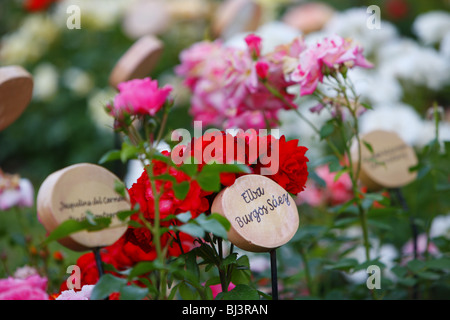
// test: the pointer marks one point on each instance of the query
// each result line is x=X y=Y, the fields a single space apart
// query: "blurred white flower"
x=386 y=254
x=445 y=46
x=30 y=41
x=15 y=191
x=97 y=101
x=440 y=226
x=352 y=23
x=398 y=117
x=45 y=77
x=375 y=87
x=98 y=14
x=24 y=272
x=428 y=133
x=423 y=66
x=431 y=27
x=79 y=81
x=273 y=34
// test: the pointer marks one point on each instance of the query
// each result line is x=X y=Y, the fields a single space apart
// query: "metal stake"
x=273 y=272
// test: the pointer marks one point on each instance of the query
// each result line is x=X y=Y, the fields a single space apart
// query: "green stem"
x=307 y=271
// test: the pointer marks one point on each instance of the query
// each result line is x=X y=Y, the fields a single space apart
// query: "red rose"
x=289 y=169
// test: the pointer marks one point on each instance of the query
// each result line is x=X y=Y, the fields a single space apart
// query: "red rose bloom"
x=290 y=171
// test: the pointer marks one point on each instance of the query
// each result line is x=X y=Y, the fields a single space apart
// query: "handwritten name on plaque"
x=262 y=214
x=72 y=192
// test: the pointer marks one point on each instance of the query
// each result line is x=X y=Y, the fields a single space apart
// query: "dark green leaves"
x=70 y=226
x=109 y=284
x=214 y=223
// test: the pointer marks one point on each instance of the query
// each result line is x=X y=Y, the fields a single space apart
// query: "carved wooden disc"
x=71 y=192
x=388 y=165
x=16 y=89
x=235 y=16
x=262 y=214
x=138 y=61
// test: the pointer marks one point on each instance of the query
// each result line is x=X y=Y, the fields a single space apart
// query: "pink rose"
x=139 y=97
x=32 y=288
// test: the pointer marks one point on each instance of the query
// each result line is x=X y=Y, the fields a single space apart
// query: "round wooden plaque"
x=262 y=214
x=387 y=165
x=71 y=192
x=138 y=61
x=16 y=90
x=235 y=16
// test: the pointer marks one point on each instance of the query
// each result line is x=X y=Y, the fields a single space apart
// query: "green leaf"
x=111 y=155
x=71 y=226
x=141 y=268
x=184 y=217
x=368 y=146
x=132 y=292
x=120 y=188
x=439 y=264
x=128 y=152
x=429 y=275
x=212 y=224
x=106 y=285
x=416 y=265
x=181 y=189
x=194 y=230
x=240 y=292
x=326 y=130
x=189 y=168
x=187 y=292
x=344 y=264
x=209 y=181
x=229 y=260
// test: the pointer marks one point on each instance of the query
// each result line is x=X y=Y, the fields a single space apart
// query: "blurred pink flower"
x=83 y=294
x=262 y=69
x=139 y=97
x=335 y=192
x=217 y=288
x=32 y=288
x=226 y=89
x=333 y=52
x=15 y=191
x=408 y=248
x=254 y=44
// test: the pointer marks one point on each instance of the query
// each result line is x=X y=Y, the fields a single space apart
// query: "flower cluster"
x=334 y=54
x=228 y=84
x=33 y=287
x=282 y=161
x=242 y=88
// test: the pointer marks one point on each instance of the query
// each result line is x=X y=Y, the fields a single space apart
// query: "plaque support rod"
x=273 y=272
x=98 y=261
